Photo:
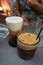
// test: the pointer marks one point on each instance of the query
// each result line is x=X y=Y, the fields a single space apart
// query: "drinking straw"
x=39 y=32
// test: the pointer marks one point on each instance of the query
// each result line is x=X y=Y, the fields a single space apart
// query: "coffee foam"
x=14 y=19
x=27 y=42
x=14 y=23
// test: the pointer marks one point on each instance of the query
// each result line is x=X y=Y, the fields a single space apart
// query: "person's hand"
x=26 y=22
x=17 y=13
x=31 y=1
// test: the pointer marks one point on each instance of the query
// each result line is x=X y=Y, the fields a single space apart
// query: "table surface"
x=9 y=56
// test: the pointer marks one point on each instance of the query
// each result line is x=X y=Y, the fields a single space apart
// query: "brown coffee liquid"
x=13 y=40
x=27 y=45
x=26 y=54
x=13 y=37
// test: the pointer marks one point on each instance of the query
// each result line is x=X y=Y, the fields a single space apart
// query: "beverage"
x=27 y=45
x=13 y=37
x=14 y=25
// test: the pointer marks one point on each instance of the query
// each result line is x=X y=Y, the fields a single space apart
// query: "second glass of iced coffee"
x=14 y=24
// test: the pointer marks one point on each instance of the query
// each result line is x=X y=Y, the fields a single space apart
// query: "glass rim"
x=26 y=43
x=39 y=17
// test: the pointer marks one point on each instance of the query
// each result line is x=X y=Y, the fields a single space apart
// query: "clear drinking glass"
x=14 y=24
x=38 y=27
x=3 y=31
x=26 y=46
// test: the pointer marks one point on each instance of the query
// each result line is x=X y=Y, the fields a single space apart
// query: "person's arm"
x=42 y=2
x=37 y=5
x=18 y=12
x=17 y=8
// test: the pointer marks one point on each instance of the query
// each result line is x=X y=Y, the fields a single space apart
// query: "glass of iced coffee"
x=27 y=45
x=14 y=24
